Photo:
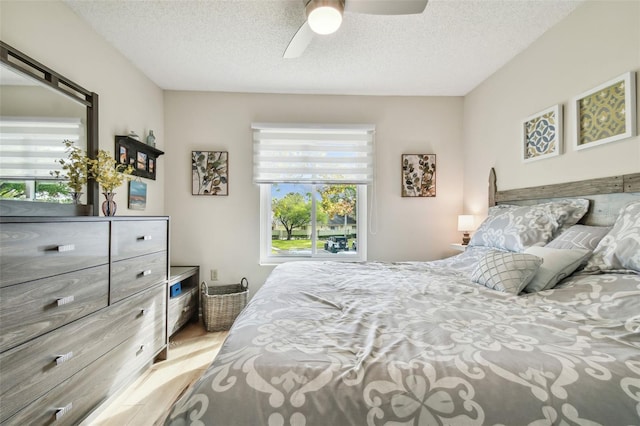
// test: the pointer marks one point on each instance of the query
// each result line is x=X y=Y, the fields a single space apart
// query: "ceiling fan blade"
x=299 y=42
x=386 y=7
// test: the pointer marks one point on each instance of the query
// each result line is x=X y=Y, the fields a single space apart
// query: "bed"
x=458 y=341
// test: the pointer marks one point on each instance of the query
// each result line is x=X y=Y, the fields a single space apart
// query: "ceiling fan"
x=325 y=17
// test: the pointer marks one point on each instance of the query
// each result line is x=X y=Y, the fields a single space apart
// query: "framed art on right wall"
x=606 y=113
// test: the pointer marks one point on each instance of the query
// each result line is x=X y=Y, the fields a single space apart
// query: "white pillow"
x=506 y=271
x=580 y=236
x=619 y=250
x=557 y=265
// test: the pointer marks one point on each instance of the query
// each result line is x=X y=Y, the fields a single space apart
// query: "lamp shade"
x=324 y=16
x=466 y=222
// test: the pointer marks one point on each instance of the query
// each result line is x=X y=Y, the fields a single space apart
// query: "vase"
x=151 y=139
x=75 y=196
x=109 y=206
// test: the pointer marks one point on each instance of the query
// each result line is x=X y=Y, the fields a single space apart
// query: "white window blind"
x=312 y=153
x=29 y=147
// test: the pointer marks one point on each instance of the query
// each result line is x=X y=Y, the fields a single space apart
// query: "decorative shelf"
x=141 y=156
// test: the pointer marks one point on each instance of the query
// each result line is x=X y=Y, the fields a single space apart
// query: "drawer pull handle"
x=66 y=247
x=143 y=312
x=65 y=300
x=61 y=359
x=146 y=238
x=147 y=272
x=64 y=410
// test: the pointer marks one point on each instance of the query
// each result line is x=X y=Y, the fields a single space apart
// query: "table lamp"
x=465 y=225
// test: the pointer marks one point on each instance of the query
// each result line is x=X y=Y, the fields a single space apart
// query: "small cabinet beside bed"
x=379 y=343
x=183 y=303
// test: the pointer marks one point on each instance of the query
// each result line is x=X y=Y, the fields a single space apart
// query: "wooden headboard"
x=607 y=195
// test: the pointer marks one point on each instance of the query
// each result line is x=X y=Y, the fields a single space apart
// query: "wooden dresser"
x=83 y=311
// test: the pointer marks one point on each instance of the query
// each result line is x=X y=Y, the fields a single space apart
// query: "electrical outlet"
x=214 y=275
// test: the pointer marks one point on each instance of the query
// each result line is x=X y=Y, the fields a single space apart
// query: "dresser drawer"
x=182 y=309
x=75 y=398
x=30 y=251
x=30 y=370
x=31 y=309
x=133 y=275
x=136 y=238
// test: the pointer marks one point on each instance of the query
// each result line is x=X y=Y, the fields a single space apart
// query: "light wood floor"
x=148 y=399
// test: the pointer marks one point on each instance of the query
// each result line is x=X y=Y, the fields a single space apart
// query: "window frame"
x=267 y=258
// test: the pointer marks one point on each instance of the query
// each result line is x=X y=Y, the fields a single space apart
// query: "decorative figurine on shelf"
x=151 y=139
x=134 y=135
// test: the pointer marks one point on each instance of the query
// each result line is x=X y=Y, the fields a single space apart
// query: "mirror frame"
x=25 y=65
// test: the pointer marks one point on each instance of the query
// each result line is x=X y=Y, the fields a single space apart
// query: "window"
x=29 y=150
x=313 y=190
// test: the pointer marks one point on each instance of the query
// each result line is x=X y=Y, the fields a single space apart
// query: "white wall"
x=600 y=40
x=49 y=32
x=223 y=232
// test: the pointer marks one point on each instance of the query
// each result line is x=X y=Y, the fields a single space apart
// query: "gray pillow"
x=557 y=265
x=619 y=250
x=515 y=229
x=506 y=271
x=580 y=236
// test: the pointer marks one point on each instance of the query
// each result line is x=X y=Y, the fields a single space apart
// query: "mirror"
x=39 y=110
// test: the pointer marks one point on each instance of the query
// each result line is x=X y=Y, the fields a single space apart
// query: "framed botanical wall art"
x=418 y=175
x=542 y=134
x=210 y=172
x=137 y=195
x=606 y=113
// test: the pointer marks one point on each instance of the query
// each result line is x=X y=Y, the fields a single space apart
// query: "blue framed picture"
x=542 y=134
x=137 y=195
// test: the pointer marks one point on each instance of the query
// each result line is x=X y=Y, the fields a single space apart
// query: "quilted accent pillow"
x=557 y=264
x=580 y=236
x=506 y=271
x=515 y=229
x=619 y=250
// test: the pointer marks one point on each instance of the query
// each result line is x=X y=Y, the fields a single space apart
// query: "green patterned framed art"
x=606 y=113
x=542 y=134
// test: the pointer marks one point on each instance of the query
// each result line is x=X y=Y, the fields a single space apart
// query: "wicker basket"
x=222 y=304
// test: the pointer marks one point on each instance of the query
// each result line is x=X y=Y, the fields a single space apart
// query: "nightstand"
x=183 y=306
x=458 y=246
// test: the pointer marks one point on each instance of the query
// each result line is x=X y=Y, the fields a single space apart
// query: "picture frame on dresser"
x=137 y=195
x=606 y=113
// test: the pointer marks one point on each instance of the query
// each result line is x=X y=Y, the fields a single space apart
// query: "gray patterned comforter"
x=326 y=343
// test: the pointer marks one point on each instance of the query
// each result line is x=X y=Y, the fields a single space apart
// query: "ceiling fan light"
x=324 y=16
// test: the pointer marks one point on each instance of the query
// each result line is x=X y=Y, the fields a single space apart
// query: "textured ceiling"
x=237 y=45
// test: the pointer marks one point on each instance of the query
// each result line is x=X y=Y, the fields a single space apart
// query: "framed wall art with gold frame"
x=606 y=113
